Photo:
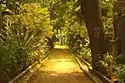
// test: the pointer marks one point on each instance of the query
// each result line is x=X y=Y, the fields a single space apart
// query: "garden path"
x=60 y=67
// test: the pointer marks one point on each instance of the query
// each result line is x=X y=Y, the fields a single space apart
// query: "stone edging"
x=85 y=69
x=93 y=72
x=30 y=71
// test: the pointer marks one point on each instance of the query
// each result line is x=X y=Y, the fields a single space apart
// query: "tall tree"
x=120 y=28
x=92 y=17
x=0 y=17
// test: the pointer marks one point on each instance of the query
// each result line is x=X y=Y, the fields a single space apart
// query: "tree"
x=92 y=17
x=119 y=29
x=63 y=15
x=0 y=18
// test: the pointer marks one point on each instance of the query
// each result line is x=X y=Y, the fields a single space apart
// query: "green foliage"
x=26 y=32
x=63 y=15
x=77 y=34
x=34 y=18
x=31 y=23
x=108 y=62
x=79 y=41
x=108 y=65
x=107 y=8
x=121 y=73
x=85 y=52
x=78 y=29
x=14 y=57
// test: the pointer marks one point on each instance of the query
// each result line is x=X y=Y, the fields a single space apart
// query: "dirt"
x=61 y=67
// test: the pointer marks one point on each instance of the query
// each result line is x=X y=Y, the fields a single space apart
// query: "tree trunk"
x=120 y=29
x=92 y=17
x=0 y=21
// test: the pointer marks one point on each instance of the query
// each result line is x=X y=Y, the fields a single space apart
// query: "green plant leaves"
x=26 y=31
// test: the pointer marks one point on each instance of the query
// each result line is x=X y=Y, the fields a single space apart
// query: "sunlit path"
x=61 y=67
x=61 y=47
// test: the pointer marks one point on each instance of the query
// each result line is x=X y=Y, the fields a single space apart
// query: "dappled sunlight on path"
x=61 y=67
x=61 y=47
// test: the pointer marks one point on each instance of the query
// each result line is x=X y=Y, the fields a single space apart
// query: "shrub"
x=121 y=73
x=26 y=31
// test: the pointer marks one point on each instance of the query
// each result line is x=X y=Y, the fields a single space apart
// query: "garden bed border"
x=30 y=70
x=91 y=71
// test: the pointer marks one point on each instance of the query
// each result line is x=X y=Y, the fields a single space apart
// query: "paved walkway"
x=61 y=67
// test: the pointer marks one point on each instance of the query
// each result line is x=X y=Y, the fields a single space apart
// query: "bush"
x=26 y=32
x=121 y=73
x=14 y=58
x=86 y=53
